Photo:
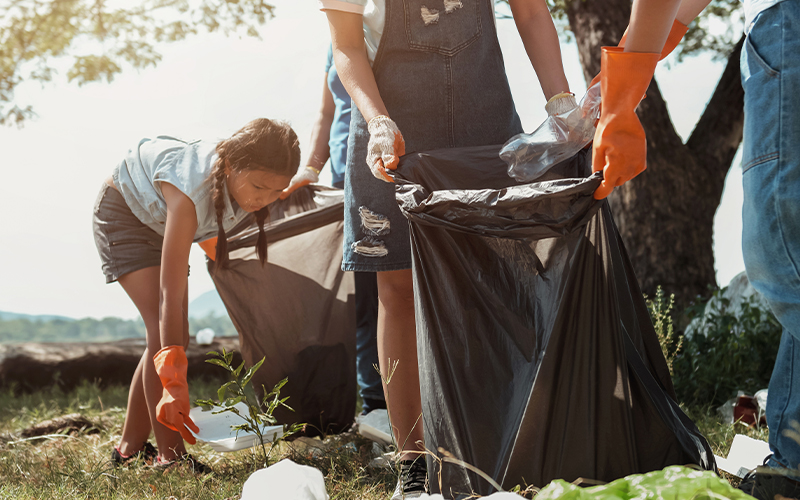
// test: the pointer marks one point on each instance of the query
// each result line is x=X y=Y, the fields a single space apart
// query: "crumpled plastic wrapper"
x=529 y=156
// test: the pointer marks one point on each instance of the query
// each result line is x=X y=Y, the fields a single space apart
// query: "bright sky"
x=208 y=87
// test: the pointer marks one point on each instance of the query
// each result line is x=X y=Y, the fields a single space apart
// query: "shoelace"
x=748 y=482
x=414 y=475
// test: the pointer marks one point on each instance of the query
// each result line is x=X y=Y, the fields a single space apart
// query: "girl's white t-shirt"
x=185 y=165
x=374 y=16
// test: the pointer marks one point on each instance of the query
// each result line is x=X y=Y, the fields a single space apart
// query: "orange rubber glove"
x=386 y=146
x=620 y=147
x=173 y=409
x=209 y=246
x=676 y=34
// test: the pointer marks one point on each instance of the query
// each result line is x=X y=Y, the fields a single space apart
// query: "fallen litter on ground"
x=746 y=454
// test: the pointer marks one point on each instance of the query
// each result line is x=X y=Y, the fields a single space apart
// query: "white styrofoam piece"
x=285 y=480
x=375 y=426
x=204 y=336
x=746 y=454
x=215 y=429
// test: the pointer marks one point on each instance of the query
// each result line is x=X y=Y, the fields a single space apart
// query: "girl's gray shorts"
x=124 y=243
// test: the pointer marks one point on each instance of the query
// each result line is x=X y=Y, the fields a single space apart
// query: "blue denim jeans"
x=369 y=380
x=770 y=67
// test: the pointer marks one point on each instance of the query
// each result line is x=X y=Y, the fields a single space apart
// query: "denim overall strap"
x=441 y=75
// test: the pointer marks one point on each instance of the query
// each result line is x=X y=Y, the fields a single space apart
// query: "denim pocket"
x=442 y=26
x=762 y=89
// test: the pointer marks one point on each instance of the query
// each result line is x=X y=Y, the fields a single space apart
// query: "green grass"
x=76 y=466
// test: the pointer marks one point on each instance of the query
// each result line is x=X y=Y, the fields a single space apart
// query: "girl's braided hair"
x=262 y=144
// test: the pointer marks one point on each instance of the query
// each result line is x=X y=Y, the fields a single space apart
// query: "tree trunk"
x=666 y=214
x=29 y=367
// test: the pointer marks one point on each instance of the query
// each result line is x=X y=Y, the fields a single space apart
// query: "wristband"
x=560 y=95
x=314 y=169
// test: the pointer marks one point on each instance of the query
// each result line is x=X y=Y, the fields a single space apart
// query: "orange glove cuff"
x=676 y=34
x=171 y=365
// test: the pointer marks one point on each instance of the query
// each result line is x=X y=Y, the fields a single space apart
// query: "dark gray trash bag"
x=537 y=356
x=298 y=310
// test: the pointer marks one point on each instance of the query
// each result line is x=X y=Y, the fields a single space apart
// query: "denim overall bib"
x=441 y=75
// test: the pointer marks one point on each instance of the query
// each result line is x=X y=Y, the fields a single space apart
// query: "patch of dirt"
x=66 y=424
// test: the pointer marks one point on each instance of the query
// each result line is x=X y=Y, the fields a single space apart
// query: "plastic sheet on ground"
x=216 y=429
x=298 y=310
x=668 y=484
x=375 y=426
x=745 y=455
x=537 y=356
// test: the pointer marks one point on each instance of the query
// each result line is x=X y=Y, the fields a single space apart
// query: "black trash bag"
x=538 y=359
x=298 y=310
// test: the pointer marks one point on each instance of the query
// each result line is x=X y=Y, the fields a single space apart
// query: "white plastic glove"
x=386 y=146
x=303 y=177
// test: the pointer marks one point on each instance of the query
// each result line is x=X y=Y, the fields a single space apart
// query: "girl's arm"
x=690 y=9
x=321 y=132
x=538 y=33
x=320 y=151
x=350 y=56
x=178 y=235
x=650 y=24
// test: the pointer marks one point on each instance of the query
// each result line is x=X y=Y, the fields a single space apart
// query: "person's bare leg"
x=397 y=342
x=136 y=429
x=142 y=287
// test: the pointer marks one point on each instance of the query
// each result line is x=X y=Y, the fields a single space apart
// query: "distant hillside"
x=206 y=311
x=207 y=303
x=5 y=316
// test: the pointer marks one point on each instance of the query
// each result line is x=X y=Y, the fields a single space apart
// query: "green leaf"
x=251 y=371
x=218 y=362
x=222 y=390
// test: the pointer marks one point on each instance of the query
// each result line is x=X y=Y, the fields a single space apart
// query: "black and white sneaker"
x=413 y=480
x=765 y=483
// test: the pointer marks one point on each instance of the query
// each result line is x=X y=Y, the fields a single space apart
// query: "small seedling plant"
x=233 y=392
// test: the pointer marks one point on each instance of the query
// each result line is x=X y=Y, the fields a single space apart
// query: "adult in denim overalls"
x=439 y=74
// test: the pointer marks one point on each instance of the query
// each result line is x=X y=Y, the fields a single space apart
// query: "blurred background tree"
x=666 y=214
x=95 y=39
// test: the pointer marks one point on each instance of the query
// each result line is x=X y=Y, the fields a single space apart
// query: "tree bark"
x=666 y=214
